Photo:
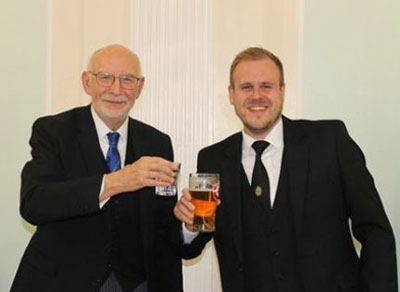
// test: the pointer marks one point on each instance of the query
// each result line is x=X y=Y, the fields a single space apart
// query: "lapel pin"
x=258 y=191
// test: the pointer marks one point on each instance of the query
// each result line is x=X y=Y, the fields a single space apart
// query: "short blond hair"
x=255 y=54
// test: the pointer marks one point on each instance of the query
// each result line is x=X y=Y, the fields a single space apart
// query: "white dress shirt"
x=271 y=157
x=102 y=130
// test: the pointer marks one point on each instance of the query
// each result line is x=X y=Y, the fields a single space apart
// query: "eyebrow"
x=252 y=83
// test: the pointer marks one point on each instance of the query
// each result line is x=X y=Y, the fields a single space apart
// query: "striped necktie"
x=113 y=159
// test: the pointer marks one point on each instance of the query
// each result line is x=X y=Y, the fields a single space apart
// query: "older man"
x=89 y=189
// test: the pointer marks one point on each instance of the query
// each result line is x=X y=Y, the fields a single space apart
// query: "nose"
x=257 y=92
x=116 y=87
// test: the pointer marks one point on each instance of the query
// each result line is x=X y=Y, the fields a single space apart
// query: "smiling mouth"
x=257 y=108
x=114 y=101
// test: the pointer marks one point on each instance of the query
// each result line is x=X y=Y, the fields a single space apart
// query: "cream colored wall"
x=22 y=63
x=186 y=48
x=276 y=25
x=77 y=29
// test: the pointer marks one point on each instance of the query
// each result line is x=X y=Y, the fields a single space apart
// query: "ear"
x=283 y=89
x=140 y=87
x=86 y=82
x=231 y=91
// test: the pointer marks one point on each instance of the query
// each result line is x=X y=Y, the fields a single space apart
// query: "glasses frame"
x=115 y=77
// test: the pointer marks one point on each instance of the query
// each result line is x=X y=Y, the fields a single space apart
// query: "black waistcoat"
x=126 y=252
x=269 y=247
x=129 y=268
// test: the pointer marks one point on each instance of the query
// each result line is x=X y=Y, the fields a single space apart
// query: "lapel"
x=297 y=158
x=137 y=146
x=89 y=142
x=134 y=147
x=231 y=187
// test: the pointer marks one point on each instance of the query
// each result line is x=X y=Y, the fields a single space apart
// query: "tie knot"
x=113 y=138
x=259 y=146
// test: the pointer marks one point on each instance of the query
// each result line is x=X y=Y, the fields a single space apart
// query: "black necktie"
x=113 y=159
x=260 y=181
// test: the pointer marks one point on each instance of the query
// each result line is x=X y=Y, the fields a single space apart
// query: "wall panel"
x=186 y=48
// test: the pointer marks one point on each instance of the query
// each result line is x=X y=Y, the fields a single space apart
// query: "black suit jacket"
x=74 y=240
x=329 y=184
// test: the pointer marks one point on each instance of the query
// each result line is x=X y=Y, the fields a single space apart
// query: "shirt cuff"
x=102 y=203
x=188 y=235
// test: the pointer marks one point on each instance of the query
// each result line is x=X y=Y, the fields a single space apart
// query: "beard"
x=107 y=112
x=259 y=125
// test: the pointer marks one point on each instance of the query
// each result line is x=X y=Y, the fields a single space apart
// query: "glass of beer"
x=203 y=188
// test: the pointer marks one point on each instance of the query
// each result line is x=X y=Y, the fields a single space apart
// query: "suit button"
x=273 y=230
x=276 y=253
x=280 y=276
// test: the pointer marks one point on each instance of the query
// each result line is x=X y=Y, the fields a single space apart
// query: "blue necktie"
x=113 y=159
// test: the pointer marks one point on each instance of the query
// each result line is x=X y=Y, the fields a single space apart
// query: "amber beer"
x=203 y=188
x=204 y=212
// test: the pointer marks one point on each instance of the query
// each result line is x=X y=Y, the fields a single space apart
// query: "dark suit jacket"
x=329 y=184
x=60 y=194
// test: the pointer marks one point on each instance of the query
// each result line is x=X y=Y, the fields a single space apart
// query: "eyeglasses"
x=127 y=81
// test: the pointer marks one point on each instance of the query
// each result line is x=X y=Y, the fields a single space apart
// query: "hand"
x=184 y=209
x=145 y=172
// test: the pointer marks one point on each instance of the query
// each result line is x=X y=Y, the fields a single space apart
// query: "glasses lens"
x=128 y=81
x=105 y=79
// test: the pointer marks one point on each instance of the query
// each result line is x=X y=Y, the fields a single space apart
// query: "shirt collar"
x=102 y=129
x=274 y=138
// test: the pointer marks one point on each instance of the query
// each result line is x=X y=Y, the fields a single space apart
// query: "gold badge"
x=258 y=191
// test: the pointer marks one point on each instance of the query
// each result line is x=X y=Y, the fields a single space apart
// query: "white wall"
x=351 y=72
x=22 y=82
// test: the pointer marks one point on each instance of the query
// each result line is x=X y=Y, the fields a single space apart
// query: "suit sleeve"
x=370 y=224
x=46 y=192
x=197 y=245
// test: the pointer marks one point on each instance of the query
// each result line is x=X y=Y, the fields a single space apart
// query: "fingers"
x=186 y=195
x=160 y=168
x=153 y=171
x=158 y=165
x=157 y=177
x=184 y=209
x=145 y=172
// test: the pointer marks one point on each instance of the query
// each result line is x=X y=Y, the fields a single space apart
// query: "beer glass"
x=171 y=189
x=203 y=188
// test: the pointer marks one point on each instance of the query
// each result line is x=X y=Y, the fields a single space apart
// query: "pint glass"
x=203 y=188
